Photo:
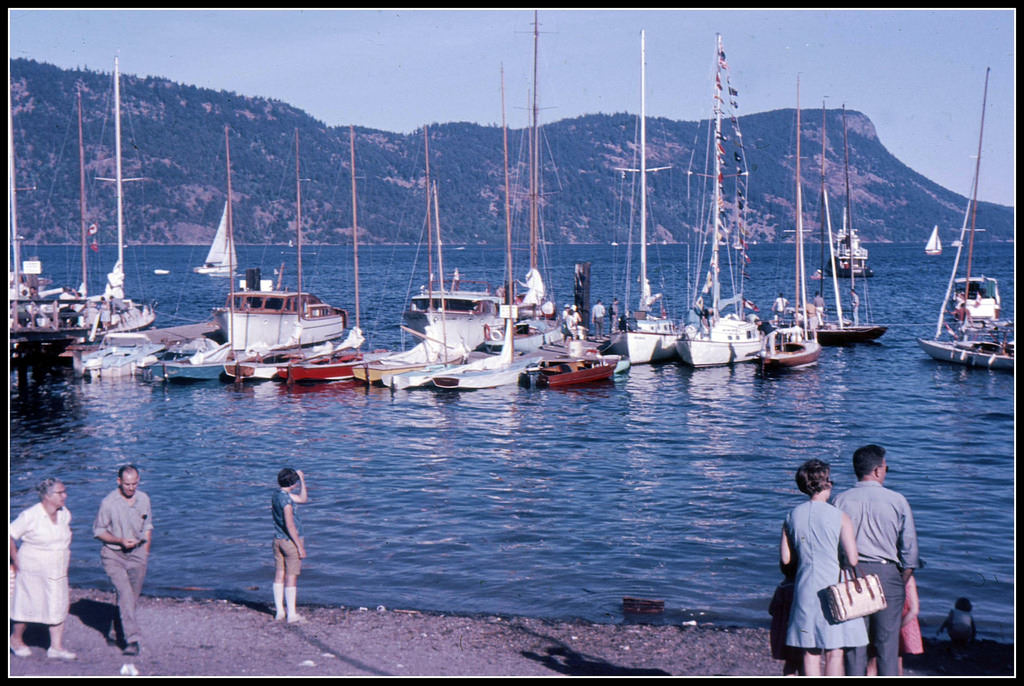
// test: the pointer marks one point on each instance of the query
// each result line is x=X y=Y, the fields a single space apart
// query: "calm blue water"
x=666 y=483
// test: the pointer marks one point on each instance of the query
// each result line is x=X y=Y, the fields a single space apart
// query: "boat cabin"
x=281 y=303
x=983 y=300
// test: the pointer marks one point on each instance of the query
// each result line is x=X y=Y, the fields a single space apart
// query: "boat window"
x=274 y=303
x=459 y=305
x=253 y=303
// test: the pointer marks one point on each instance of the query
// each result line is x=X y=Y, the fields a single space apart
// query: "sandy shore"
x=220 y=638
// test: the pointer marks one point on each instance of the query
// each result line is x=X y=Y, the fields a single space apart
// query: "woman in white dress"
x=40 y=566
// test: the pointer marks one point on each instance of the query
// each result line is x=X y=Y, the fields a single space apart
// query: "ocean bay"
x=667 y=483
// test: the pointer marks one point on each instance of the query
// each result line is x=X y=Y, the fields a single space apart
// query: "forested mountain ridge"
x=173 y=139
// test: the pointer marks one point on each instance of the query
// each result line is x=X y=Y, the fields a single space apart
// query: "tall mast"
x=507 y=349
x=645 y=287
x=715 y=209
x=801 y=295
x=974 y=198
x=534 y=152
x=848 y=218
x=355 y=226
x=16 y=240
x=120 y=195
x=231 y=242
x=81 y=195
x=298 y=225
x=430 y=235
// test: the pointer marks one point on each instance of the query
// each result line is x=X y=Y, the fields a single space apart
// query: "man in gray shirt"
x=886 y=546
x=124 y=524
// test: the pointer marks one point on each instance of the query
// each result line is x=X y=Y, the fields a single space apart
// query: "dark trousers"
x=883 y=627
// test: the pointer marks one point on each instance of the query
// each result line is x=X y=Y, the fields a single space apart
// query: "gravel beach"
x=185 y=637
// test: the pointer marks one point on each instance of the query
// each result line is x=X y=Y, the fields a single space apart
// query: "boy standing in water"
x=288 y=544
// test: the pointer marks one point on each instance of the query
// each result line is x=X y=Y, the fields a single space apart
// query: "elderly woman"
x=812 y=535
x=40 y=566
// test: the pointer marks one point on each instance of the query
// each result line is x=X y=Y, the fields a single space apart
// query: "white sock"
x=289 y=597
x=279 y=599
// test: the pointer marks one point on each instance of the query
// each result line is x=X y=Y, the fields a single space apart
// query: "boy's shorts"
x=286 y=557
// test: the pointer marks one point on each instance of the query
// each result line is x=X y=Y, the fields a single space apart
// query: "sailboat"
x=122 y=314
x=221 y=259
x=715 y=337
x=537 y=324
x=651 y=338
x=934 y=245
x=795 y=345
x=840 y=331
x=976 y=336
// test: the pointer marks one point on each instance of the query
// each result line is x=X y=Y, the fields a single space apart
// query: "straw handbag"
x=854 y=596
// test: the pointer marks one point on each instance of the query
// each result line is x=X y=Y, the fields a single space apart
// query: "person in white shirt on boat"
x=819 y=305
x=855 y=304
x=779 y=308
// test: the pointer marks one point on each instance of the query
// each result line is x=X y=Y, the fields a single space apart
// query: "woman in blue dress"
x=812 y=535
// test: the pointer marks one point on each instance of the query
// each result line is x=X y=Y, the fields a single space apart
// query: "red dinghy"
x=569 y=372
x=336 y=367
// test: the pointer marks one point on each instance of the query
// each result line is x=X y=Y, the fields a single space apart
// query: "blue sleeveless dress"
x=813 y=530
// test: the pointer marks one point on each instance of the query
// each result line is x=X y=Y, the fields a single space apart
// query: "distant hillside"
x=173 y=137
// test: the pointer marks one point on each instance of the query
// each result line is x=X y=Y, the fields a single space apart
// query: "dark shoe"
x=132 y=648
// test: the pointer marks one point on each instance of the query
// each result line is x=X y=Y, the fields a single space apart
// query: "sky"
x=918 y=74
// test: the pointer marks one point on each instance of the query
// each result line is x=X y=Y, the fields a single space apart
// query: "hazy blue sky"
x=918 y=75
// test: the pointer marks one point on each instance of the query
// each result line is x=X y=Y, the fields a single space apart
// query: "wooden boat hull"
x=970 y=354
x=850 y=334
x=792 y=355
x=557 y=374
x=339 y=368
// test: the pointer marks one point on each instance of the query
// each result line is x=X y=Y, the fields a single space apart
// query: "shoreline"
x=211 y=637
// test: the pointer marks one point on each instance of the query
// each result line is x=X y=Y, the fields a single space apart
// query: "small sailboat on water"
x=221 y=259
x=934 y=245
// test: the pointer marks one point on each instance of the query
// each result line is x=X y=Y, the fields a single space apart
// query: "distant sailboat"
x=222 y=254
x=934 y=246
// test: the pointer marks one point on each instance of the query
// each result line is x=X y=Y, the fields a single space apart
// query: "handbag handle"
x=854 y=572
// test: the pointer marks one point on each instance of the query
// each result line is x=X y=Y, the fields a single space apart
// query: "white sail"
x=222 y=254
x=934 y=246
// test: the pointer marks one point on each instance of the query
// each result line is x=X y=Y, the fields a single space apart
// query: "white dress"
x=41 y=585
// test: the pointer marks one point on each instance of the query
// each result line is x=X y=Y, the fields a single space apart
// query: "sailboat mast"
x=298 y=225
x=81 y=195
x=16 y=240
x=974 y=198
x=717 y=200
x=355 y=225
x=231 y=242
x=534 y=153
x=507 y=350
x=645 y=289
x=848 y=218
x=117 y=139
x=430 y=235
x=801 y=294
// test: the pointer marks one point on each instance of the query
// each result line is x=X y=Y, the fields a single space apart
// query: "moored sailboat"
x=794 y=346
x=649 y=337
x=973 y=335
x=715 y=335
x=840 y=331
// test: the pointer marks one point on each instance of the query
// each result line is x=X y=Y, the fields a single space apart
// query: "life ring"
x=491 y=334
